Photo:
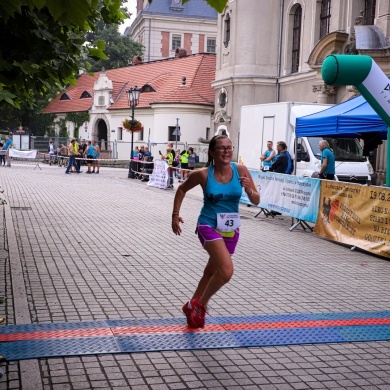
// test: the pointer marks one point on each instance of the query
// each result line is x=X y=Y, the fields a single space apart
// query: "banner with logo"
x=355 y=215
x=159 y=176
x=290 y=195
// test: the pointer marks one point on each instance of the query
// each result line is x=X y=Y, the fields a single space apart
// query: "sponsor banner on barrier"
x=22 y=153
x=355 y=215
x=290 y=195
x=159 y=176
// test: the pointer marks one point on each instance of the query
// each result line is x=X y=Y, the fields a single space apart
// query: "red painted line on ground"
x=56 y=334
x=132 y=330
x=307 y=324
x=124 y=330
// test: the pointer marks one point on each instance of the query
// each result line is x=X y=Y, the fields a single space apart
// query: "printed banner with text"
x=159 y=176
x=295 y=196
x=355 y=215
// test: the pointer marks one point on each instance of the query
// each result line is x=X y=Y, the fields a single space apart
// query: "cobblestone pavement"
x=100 y=247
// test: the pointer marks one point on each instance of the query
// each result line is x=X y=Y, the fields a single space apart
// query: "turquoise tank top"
x=219 y=198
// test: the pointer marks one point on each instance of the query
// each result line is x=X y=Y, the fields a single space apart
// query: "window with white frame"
x=120 y=133
x=176 y=41
x=226 y=32
x=325 y=18
x=296 y=39
x=211 y=44
x=369 y=11
x=141 y=135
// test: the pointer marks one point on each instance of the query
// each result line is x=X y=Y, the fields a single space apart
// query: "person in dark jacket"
x=283 y=160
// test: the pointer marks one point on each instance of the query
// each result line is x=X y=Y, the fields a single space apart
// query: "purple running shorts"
x=206 y=234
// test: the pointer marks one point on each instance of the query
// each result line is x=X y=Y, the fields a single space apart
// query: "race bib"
x=228 y=222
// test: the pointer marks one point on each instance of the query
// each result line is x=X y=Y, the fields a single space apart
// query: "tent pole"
x=388 y=158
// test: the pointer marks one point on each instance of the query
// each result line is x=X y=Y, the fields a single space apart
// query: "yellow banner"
x=355 y=215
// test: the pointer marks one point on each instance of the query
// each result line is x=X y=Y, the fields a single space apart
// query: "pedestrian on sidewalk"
x=222 y=182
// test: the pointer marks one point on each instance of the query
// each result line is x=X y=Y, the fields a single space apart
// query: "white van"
x=276 y=122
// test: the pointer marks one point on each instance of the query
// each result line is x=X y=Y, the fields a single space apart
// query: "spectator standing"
x=96 y=155
x=170 y=146
x=328 y=163
x=283 y=161
x=51 y=152
x=268 y=157
x=168 y=157
x=191 y=159
x=82 y=149
x=222 y=182
x=176 y=163
x=184 y=164
x=2 y=154
x=89 y=152
x=63 y=151
x=7 y=146
x=73 y=151
x=147 y=152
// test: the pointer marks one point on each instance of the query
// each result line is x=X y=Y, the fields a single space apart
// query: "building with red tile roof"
x=171 y=88
x=166 y=25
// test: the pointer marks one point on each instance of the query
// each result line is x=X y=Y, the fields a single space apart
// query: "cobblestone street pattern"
x=89 y=247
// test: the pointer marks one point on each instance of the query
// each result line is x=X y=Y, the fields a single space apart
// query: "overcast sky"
x=132 y=7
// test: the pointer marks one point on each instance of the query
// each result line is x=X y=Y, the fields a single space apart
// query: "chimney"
x=137 y=60
x=180 y=52
x=140 y=6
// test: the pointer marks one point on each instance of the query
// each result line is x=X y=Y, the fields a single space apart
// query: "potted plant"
x=132 y=125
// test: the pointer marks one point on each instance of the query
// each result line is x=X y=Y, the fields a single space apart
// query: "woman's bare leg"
x=218 y=272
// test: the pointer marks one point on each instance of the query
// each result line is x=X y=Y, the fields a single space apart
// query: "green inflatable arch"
x=362 y=72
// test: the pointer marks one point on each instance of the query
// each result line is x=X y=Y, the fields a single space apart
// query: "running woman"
x=219 y=220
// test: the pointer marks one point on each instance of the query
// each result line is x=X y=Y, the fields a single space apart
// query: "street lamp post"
x=133 y=99
x=176 y=132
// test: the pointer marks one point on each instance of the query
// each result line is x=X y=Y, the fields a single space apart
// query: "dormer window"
x=177 y=5
x=101 y=101
x=85 y=95
x=148 y=88
x=65 y=96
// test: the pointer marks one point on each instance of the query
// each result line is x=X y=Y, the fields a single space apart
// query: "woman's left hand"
x=176 y=221
x=246 y=182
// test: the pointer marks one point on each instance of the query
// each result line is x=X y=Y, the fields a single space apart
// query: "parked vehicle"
x=276 y=122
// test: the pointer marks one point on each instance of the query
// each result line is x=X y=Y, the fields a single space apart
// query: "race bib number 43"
x=228 y=222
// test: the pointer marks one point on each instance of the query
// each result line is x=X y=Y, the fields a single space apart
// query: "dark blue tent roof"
x=347 y=119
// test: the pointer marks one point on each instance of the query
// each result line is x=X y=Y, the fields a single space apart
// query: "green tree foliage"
x=41 y=42
x=77 y=118
x=119 y=50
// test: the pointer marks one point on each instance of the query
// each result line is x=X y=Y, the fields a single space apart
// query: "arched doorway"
x=102 y=134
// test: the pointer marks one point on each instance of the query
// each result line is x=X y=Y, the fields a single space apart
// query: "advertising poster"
x=355 y=215
x=159 y=176
x=290 y=195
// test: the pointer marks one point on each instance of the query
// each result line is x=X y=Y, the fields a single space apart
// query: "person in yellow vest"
x=168 y=157
x=184 y=165
x=73 y=152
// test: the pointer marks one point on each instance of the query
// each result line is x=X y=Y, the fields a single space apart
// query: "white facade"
x=255 y=54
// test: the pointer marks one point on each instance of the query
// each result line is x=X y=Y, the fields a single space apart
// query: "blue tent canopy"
x=347 y=119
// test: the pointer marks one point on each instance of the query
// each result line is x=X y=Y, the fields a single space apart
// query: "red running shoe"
x=187 y=308
x=197 y=314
